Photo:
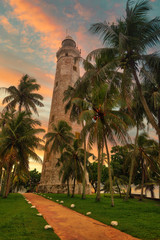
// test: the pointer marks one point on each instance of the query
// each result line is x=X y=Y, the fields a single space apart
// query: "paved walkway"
x=70 y=225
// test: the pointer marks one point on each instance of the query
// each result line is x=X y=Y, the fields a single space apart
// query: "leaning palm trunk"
x=144 y=103
x=84 y=167
x=98 y=196
x=132 y=164
x=110 y=173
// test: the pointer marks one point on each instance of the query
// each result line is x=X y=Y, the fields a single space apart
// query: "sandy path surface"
x=70 y=225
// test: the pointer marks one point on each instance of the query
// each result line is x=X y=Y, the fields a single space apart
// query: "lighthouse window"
x=75 y=68
x=66 y=54
x=56 y=84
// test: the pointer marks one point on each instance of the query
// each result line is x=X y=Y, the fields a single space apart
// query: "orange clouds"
x=46 y=92
x=33 y=16
x=8 y=77
x=7 y=25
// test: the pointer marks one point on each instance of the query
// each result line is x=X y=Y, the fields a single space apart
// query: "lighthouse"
x=67 y=73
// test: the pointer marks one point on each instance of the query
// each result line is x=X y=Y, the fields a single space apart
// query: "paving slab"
x=71 y=225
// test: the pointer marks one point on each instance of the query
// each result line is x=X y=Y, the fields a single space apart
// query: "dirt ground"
x=70 y=225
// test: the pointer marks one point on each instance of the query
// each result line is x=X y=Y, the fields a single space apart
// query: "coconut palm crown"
x=24 y=95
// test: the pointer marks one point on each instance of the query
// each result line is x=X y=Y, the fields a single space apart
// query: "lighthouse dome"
x=68 y=42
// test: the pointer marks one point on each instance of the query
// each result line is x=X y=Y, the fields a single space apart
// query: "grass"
x=18 y=221
x=140 y=219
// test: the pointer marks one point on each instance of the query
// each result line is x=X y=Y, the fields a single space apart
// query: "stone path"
x=70 y=225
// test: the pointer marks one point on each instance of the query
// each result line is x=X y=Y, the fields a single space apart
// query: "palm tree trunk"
x=74 y=182
x=152 y=191
x=68 y=190
x=7 y=184
x=84 y=167
x=20 y=107
x=132 y=164
x=110 y=173
x=98 y=196
x=119 y=190
x=12 y=178
x=3 y=176
x=142 y=182
x=144 y=103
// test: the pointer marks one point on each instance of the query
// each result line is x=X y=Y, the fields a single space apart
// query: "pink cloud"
x=117 y=5
x=7 y=25
x=111 y=16
x=84 y=12
x=86 y=41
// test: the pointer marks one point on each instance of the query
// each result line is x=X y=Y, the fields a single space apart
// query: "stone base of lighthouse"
x=62 y=188
x=51 y=182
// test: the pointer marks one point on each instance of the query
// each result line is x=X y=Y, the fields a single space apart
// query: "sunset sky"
x=31 y=32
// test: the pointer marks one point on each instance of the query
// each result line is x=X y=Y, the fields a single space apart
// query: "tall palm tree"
x=18 y=142
x=24 y=96
x=129 y=39
x=74 y=97
x=106 y=121
x=138 y=114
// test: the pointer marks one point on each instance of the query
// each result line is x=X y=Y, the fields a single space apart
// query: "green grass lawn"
x=139 y=219
x=18 y=221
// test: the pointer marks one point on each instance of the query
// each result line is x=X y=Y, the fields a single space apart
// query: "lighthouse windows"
x=75 y=68
x=66 y=54
x=56 y=84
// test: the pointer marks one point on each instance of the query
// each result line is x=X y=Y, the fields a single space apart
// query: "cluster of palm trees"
x=61 y=140
x=146 y=170
x=19 y=132
x=119 y=89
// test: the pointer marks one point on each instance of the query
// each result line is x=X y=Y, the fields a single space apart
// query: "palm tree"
x=74 y=96
x=72 y=161
x=24 y=95
x=60 y=137
x=18 y=142
x=105 y=122
x=129 y=40
x=138 y=114
x=146 y=155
